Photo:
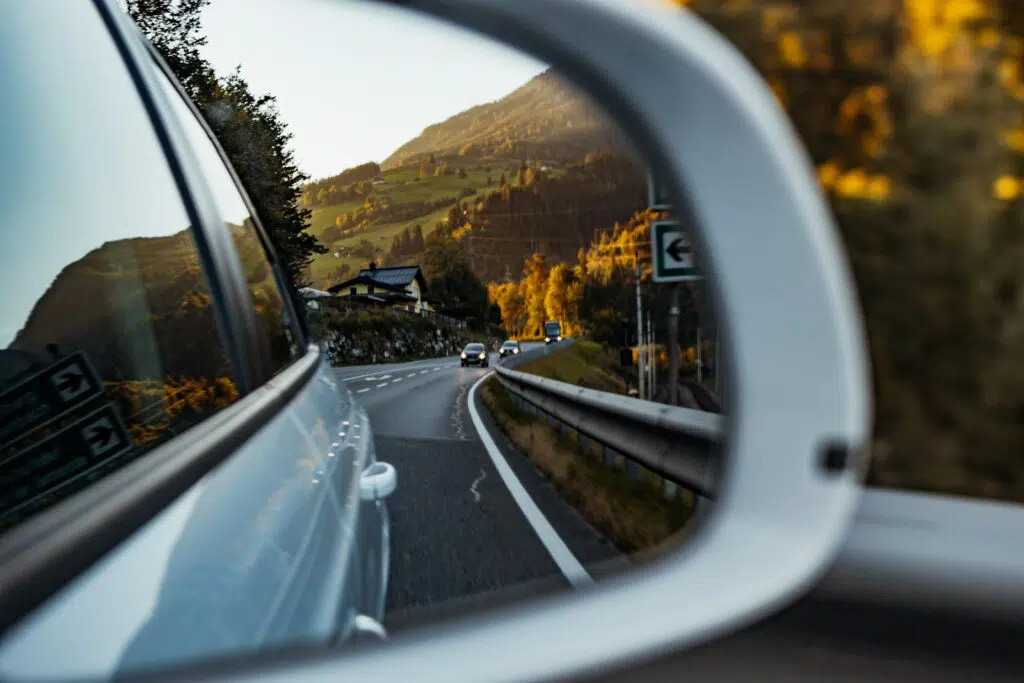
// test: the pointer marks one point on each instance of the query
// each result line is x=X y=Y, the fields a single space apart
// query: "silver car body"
x=273 y=546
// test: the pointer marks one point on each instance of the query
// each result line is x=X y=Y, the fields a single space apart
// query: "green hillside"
x=547 y=120
x=540 y=170
x=401 y=199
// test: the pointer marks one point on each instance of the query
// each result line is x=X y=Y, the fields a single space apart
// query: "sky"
x=355 y=80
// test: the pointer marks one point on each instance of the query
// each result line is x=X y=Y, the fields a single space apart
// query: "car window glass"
x=109 y=344
x=259 y=272
x=912 y=114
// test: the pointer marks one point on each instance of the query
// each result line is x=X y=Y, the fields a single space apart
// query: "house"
x=402 y=287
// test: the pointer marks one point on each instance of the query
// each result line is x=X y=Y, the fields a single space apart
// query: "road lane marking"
x=396 y=381
x=423 y=372
x=382 y=384
x=476 y=482
x=384 y=377
x=437 y=368
x=363 y=391
x=553 y=543
x=411 y=374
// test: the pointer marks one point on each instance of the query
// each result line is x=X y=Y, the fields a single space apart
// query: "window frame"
x=48 y=551
x=296 y=321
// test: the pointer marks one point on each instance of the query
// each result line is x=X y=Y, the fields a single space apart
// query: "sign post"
x=673 y=263
x=657 y=195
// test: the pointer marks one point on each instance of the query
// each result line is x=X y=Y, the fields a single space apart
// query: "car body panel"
x=262 y=552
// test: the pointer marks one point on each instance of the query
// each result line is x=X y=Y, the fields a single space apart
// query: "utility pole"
x=654 y=356
x=639 y=331
x=673 y=347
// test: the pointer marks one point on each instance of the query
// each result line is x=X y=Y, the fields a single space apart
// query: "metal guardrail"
x=681 y=445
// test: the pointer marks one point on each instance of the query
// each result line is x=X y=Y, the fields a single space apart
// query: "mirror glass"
x=457 y=222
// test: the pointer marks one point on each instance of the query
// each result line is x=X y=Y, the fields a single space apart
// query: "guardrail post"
x=607 y=457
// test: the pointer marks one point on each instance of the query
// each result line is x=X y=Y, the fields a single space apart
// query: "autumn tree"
x=534 y=292
x=562 y=298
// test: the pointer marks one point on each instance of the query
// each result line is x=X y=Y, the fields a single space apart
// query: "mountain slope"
x=547 y=119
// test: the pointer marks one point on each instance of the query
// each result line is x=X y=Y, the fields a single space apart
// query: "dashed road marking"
x=363 y=391
x=382 y=384
x=396 y=381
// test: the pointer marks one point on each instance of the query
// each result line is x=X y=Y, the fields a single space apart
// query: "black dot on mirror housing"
x=835 y=457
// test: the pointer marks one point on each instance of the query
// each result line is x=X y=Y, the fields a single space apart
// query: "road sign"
x=673 y=253
x=53 y=462
x=69 y=382
x=657 y=195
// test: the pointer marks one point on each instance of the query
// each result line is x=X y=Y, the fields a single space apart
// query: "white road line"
x=395 y=381
x=382 y=384
x=553 y=543
x=363 y=391
x=411 y=374
x=423 y=372
x=384 y=377
x=437 y=368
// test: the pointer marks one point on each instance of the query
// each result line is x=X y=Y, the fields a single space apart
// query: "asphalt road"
x=461 y=539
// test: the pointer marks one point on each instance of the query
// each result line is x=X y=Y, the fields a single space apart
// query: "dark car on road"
x=475 y=354
x=510 y=348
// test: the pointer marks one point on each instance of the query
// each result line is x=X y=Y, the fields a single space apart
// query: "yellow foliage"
x=933 y=24
x=792 y=51
x=878 y=188
x=852 y=184
x=989 y=38
x=1006 y=188
x=828 y=174
x=1009 y=73
x=1014 y=139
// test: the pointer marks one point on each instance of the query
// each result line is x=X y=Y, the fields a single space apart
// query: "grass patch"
x=584 y=363
x=633 y=514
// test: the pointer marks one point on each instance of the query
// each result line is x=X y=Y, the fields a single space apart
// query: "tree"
x=562 y=296
x=450 y=278
x=461 y=173
x=535 y=285
x=513 y=313
x=247 y=126
x=418 y=244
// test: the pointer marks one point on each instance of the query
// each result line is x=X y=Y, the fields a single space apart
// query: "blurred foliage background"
x=911 y=112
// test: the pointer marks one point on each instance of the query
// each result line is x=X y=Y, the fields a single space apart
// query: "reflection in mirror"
x=471 y=238
x=478 y=212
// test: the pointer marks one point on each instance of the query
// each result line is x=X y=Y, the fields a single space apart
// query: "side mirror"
x=726 y=156
x=771 y=478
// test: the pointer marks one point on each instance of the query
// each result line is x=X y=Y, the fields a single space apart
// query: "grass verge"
x=632 y=514
x=584 y=363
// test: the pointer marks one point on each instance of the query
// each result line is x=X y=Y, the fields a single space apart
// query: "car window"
x=109 y=344
x=912 y=114
x=263 y=282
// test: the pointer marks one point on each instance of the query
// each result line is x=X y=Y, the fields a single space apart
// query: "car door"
x=189 y=444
